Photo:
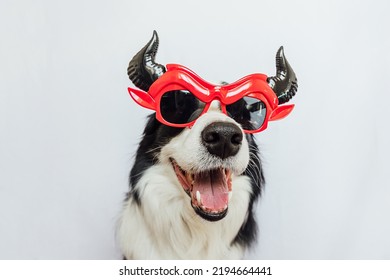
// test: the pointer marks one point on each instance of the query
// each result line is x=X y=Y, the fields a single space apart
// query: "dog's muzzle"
x=210 y=187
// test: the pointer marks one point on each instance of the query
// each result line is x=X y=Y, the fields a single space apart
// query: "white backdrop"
x=69 y=130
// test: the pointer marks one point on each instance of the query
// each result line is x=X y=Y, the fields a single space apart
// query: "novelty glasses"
x=180 y=97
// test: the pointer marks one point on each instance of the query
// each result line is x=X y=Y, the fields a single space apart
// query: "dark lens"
x=249 y=112
x=180 y=106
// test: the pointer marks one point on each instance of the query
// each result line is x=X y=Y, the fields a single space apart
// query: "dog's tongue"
x=213 y=189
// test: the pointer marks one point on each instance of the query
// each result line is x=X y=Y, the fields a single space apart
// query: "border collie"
x=195 y=179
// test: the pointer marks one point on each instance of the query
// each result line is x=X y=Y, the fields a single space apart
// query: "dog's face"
x=204 y=158
x=203 y=131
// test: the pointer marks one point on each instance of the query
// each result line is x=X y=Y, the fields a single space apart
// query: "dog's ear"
x=142 y=98
x=281 y=112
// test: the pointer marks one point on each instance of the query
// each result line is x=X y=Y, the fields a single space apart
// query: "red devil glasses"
x=180 y=97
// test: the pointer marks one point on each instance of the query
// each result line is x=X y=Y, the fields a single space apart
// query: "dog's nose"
x=222 y=139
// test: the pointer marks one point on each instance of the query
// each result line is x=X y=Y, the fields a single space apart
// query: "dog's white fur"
x=164 y=225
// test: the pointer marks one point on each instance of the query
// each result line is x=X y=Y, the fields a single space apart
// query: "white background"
x=69 y=130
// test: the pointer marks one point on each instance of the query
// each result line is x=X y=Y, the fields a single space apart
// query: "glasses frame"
x=178 y=77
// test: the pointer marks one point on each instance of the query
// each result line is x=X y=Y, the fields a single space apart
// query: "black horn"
x=143 y=70
x=285 y=83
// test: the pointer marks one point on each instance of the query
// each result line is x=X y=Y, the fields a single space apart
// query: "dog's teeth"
x=230 y=195
x=198 y=198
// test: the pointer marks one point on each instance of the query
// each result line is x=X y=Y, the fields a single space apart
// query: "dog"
x=197 y=172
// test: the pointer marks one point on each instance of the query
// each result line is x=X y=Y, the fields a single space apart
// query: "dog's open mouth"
x=209 y=190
